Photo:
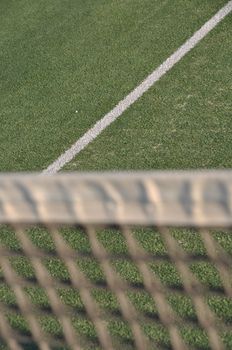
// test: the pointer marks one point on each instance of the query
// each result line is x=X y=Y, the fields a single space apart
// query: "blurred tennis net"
x=116 y=260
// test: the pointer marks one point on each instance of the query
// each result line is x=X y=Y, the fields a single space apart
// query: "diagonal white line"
x=133 y=96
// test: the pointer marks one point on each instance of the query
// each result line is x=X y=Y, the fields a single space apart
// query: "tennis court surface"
x=64 y=67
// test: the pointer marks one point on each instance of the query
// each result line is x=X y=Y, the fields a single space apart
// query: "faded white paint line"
x=133 y=96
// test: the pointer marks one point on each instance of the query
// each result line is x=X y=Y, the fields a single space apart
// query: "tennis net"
x=116 y=260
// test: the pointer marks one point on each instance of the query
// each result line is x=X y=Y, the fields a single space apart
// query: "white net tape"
x=161 y=198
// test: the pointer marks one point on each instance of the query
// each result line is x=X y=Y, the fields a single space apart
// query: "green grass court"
x=63 y=65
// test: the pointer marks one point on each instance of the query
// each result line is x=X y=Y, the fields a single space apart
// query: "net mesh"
x=116 y=261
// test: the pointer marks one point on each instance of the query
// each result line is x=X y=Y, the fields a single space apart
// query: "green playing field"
x=63 y=65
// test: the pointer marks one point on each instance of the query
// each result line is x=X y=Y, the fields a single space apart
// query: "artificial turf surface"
x=64 y=64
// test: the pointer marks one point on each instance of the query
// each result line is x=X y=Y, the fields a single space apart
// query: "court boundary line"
x=135 y=94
